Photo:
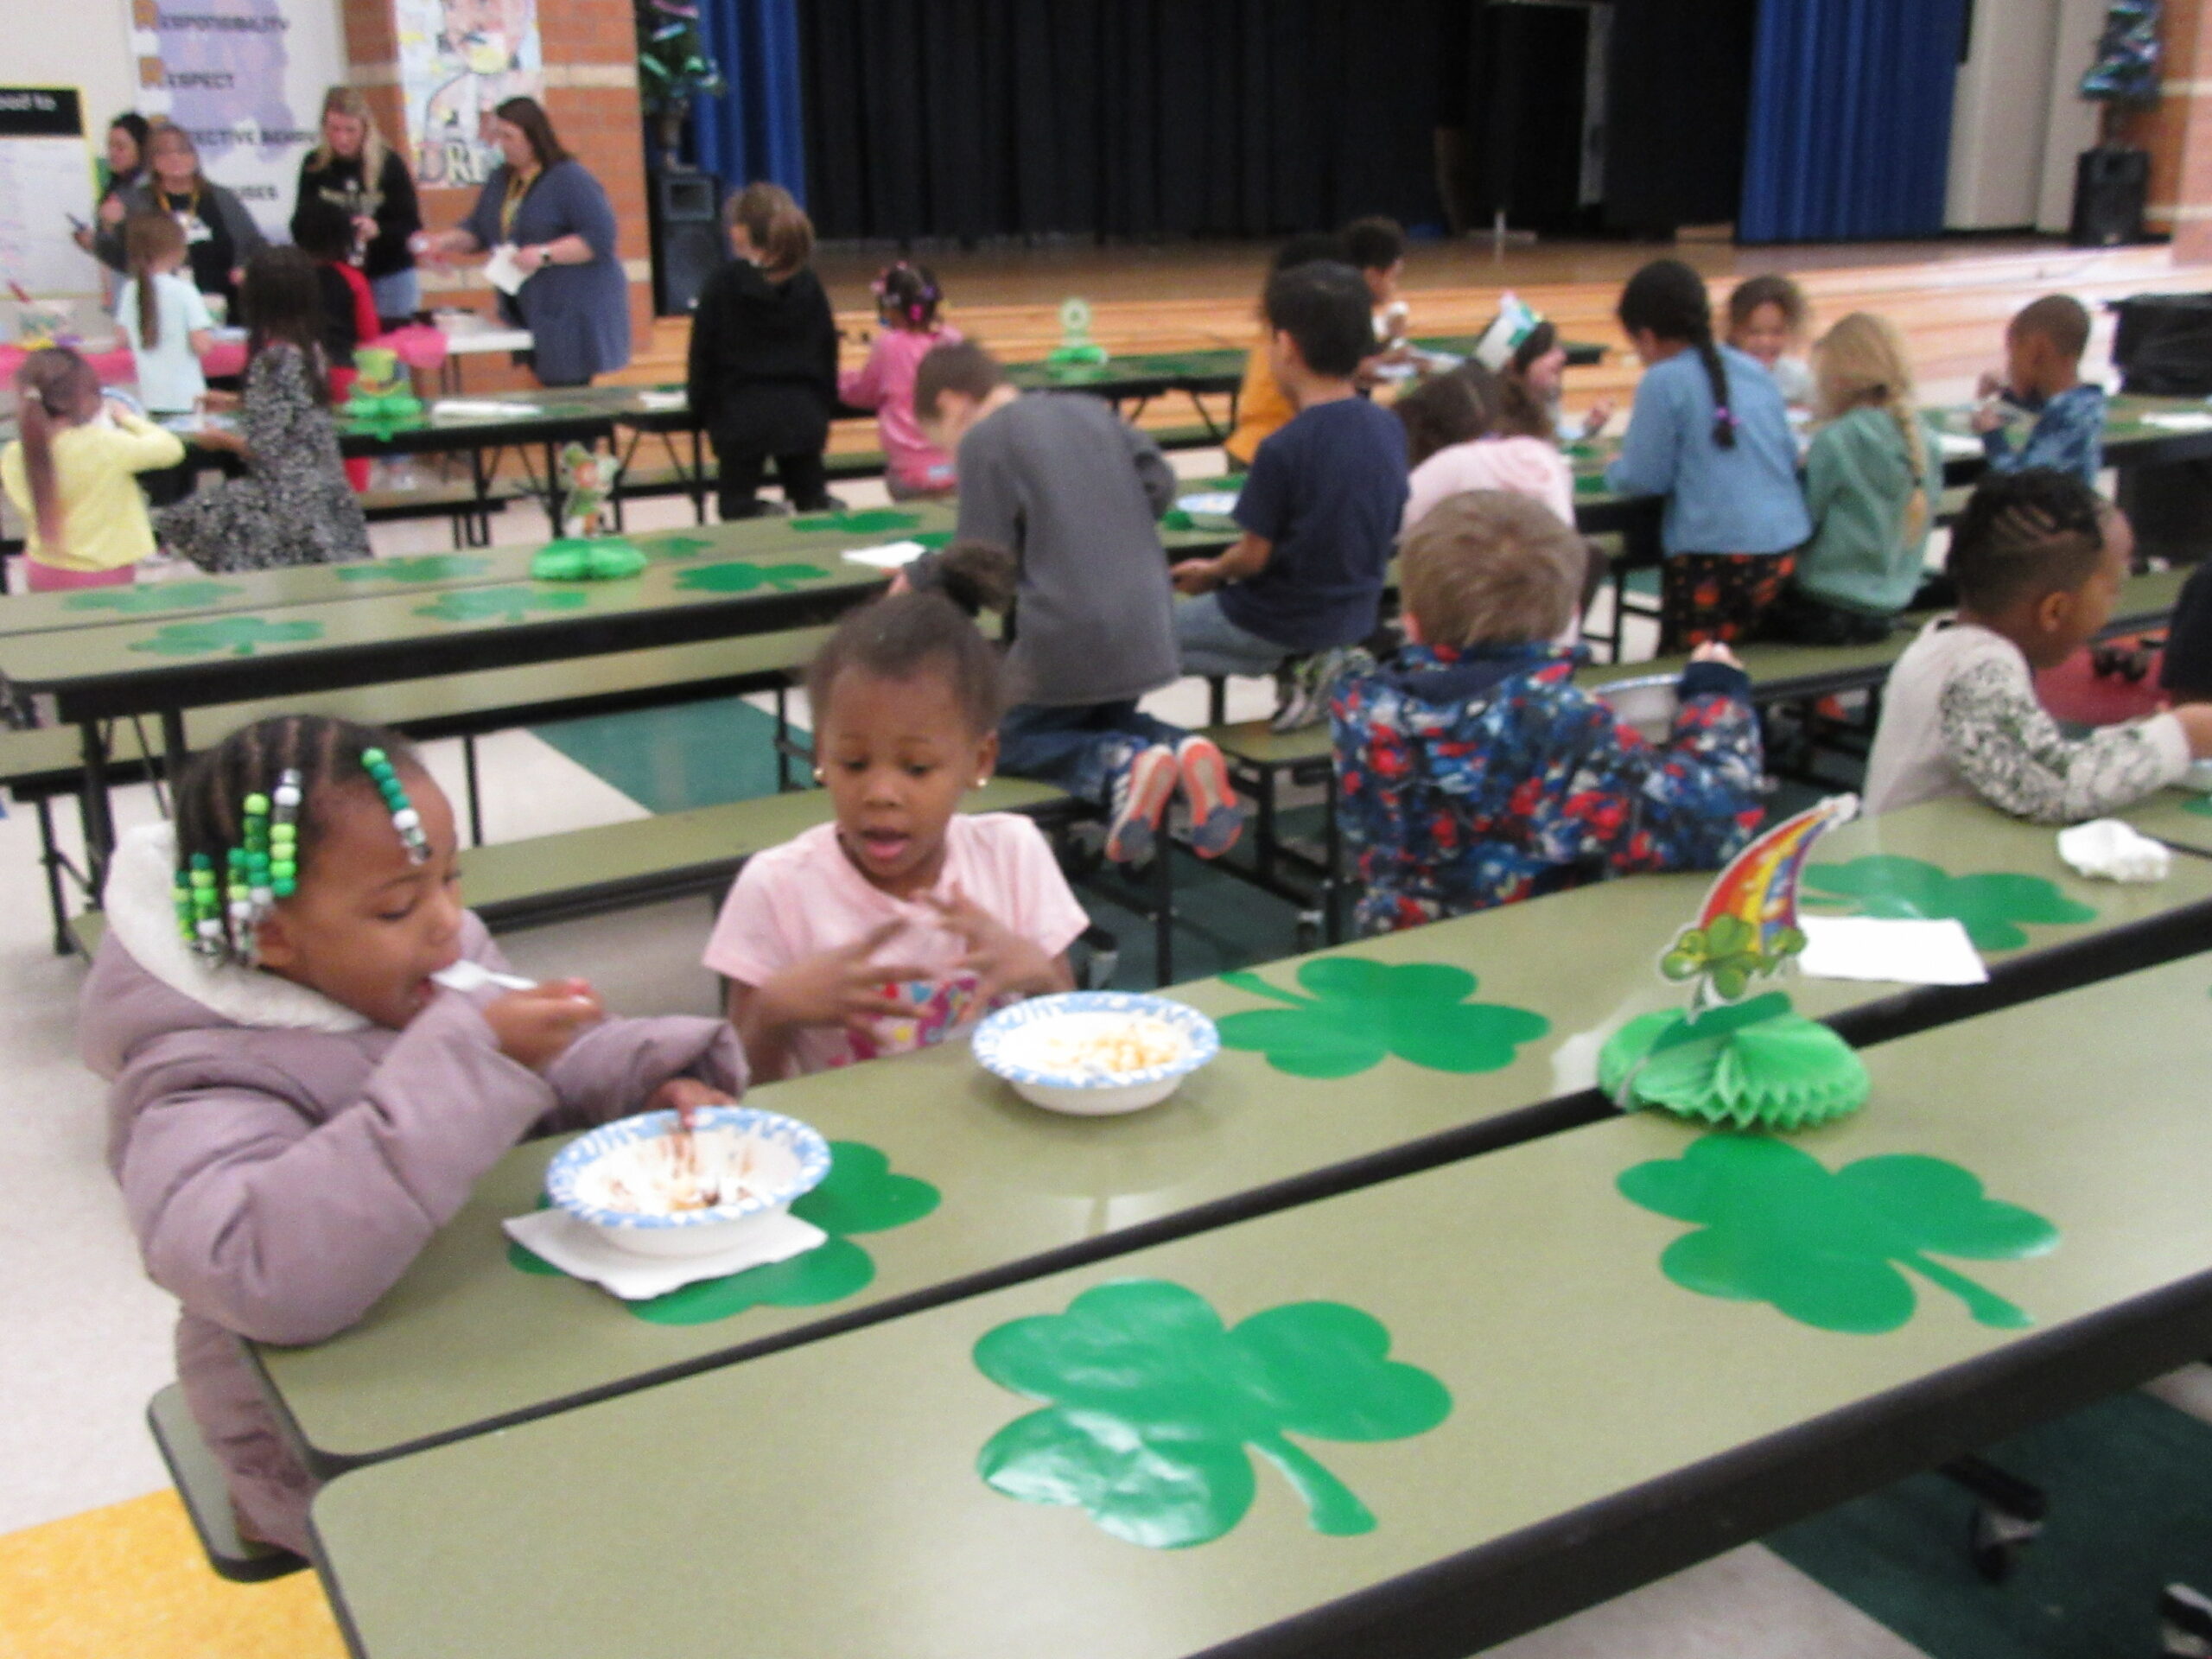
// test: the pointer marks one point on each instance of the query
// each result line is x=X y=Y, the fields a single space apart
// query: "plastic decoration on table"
x=1360 y=1012
x=607 y=558
x=1994 y=905
x=419 y=346
x=42 y=323
x=238 y=636
x=868 y=521
x=1751 y=1065
x=1514 y=321
x=383 y=401
x=861 y=1194
x=1826 y=1248
x=151 y=596
x=1076 y=350
x=1152 y=1408
x=508 y=604
x=589 y=477
x=424 y=567
x=743 y=577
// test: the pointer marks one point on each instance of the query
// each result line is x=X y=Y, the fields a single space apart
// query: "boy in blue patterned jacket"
x=1471 y=773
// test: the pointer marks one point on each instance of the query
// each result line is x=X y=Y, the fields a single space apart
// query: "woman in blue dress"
x=542 y=202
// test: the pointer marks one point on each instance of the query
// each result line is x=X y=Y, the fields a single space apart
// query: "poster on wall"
x=245 y=78
x=45 y=187
x=458 y=60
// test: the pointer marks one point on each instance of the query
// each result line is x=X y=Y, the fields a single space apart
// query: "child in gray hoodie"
x=294 y=1106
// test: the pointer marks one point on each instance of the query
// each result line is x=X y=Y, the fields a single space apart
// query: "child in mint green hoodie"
x=1871 y=479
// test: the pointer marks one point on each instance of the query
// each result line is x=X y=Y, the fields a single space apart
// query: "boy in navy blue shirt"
x=1319 y=511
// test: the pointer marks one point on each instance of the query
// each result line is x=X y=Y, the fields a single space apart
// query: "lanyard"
x=517 y=186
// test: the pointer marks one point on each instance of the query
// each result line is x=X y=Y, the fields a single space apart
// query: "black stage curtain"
x=1678 y=107
x=973 y=118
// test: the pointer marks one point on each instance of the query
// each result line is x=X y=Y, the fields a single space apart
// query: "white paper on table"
x=2180 y=420
x=579 y=1250
x=892 y=555
x=2113 y=851
x=480 y=408
x=1900 y=951
x=1957 y=443
x=504 y=268
x=663 y=400
x=1219 y=503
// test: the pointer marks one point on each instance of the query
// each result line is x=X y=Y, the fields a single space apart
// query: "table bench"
x=1606 y=1425
x=464 y=1342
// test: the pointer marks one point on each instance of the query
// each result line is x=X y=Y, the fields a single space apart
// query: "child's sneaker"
x=1140 y=792
x=1307 y=700
x=1215 y=819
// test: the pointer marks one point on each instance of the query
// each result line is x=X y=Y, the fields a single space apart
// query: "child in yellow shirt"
x=73 y=476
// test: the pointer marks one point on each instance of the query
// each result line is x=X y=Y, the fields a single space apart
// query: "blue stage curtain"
x=752 y=130
x=1851 y=119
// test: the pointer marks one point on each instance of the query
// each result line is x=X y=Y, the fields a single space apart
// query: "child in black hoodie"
x=763 y=374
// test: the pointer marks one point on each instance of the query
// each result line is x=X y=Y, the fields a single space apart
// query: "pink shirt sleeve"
x=863 y=388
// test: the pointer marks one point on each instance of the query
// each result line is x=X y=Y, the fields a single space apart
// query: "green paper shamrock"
x=676 y=547
x=428 y=566
x=151 y=596
x=1825 y=1248
x=1152 y=1403
x=859 y=1195
x=1993 y=906
x=241 y=636
x=508 y=604
x=1727 y=949
x=602 y=559
x=869 y=521
x=1362 y=1011
x=2201 y=806
x=1754 y=1065
x=739 y=576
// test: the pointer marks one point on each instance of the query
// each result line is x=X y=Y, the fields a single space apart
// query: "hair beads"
x=199 y=906
x=404 y=817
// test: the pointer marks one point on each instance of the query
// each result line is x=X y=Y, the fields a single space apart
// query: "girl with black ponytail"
x=1710 y=433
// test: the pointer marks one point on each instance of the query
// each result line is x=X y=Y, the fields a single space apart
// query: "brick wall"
x=591 y=94
x=2177 y=132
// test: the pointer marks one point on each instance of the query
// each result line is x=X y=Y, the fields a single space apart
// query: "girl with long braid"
x=1709 y=432
x=294 y=1105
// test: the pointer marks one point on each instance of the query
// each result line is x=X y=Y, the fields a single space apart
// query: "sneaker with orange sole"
x=1141 y=790
x=1216 y=819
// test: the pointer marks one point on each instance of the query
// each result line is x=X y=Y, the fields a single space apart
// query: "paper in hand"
x=504 y=268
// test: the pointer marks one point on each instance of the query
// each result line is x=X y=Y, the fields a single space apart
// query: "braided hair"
x=906 y=296
x=327 y=754
x=2037 y=530
x=1669 y=299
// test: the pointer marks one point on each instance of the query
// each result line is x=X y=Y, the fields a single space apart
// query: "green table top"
x=464 y=1341
x=2180 y=818
x=827 y=1499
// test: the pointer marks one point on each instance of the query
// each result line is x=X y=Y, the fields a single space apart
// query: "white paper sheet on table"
x=580 y=1251
x=503 y=271
x=892 y=555
x=1218 y=502
x=2180 y=420
x=1957 y=443
x=1899 y=951
x=663 y=400
x=480 y=408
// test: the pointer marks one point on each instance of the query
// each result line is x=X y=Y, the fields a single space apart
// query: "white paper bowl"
x=1647 y=703
x=788 y=1157
x=1018 y=1043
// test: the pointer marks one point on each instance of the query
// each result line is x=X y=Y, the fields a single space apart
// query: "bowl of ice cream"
x=1094 y=1053
x=650 y=1187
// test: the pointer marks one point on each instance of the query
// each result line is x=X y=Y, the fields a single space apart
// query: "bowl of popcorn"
x=1095 y=1053
x=654 y=1186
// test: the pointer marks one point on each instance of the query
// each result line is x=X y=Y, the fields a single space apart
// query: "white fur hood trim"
x=142 y=913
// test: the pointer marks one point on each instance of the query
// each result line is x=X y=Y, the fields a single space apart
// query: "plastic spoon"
x=465 y=976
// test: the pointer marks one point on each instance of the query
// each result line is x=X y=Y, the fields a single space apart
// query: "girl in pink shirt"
x=906 y=298
x=902 y=922
x=1470 y=429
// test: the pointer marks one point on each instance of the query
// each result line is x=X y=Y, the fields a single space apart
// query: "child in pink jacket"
x=294 y=1106
x=906 y=298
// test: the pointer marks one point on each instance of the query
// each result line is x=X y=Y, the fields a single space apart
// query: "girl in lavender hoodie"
x=296 y=1107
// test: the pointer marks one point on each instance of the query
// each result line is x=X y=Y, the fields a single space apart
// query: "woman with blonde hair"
x=220 y=235
x=1871 y=478
x=354 y=170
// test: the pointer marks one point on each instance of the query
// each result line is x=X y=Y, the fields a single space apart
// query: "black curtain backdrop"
x=1678 y=104
x=973 y=118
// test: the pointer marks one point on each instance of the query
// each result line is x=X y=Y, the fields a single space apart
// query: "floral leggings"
x=1706 y=596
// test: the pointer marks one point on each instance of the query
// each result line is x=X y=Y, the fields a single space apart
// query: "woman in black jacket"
x=356 y=172
x=764 y=357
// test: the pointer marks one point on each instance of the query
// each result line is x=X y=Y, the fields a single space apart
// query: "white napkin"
x=503 y=271
x=1957 y=443
x=1900 y=950
x=2192 y=420
x=892 y=555
x=480 y=408
x=663 y=400
x=578 y=1249
x=2115 y=851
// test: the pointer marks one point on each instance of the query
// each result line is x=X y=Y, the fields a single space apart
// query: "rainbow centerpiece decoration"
x=1751 y=1064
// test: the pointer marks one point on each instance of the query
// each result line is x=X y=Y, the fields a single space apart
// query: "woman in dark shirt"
x=220 y=235
x=354 y=170
x=764 y=356
x=124 y=165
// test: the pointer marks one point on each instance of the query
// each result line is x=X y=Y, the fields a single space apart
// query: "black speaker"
x=689 y=245
x=2110 y=188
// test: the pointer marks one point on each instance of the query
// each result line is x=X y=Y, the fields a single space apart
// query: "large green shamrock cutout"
x=1776 y=1226
x=1726 y=951
x=508 y=604
x=241 y=636
x=741 y=576
x=2201 y=806
x=1991 y=905
x=427 y=567
x=868 y=521
x=151 y=596
x=1152 y=1403
x=676 y=547
x=859 y=1195
x=1362 y=1011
